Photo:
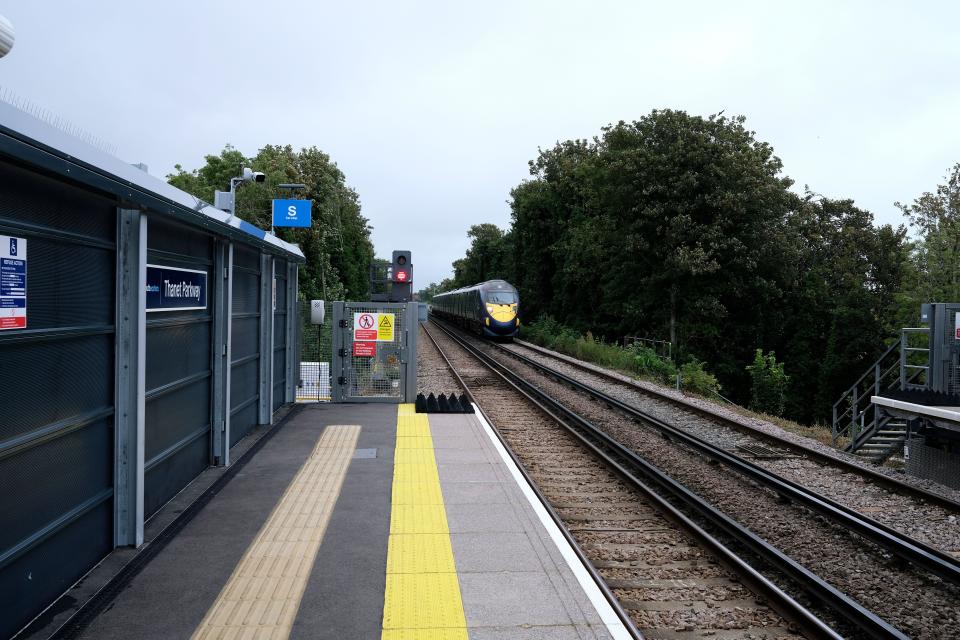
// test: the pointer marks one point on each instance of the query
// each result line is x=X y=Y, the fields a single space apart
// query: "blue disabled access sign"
x=291 y=213
x=175 y=289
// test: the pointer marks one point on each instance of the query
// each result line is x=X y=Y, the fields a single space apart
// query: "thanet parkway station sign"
x=175 y=289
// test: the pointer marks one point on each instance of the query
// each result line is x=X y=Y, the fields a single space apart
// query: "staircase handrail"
x=871 y=370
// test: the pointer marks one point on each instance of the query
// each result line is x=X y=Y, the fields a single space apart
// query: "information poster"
x=13 y=283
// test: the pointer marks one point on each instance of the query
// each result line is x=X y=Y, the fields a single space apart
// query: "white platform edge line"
x=609 y=617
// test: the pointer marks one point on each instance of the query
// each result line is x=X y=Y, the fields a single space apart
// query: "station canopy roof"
x=32 y=140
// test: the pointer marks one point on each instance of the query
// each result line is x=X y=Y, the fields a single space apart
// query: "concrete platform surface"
x=296 y=543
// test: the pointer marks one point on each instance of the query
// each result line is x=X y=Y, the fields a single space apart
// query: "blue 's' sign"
x=175 y=289
x=291 y=213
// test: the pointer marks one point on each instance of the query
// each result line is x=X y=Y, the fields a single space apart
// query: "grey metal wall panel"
x=52 y=566
x=55 y=380
x=245 y=353
x=56 y=392
x=185 y=346
x=179 y=358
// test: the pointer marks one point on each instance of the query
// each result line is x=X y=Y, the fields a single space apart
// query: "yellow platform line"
x=422 y=598
x=262 y=596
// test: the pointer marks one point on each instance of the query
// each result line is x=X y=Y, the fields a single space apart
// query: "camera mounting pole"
x=227 y=200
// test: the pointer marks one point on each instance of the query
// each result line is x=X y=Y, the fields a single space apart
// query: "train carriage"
x=490 y=309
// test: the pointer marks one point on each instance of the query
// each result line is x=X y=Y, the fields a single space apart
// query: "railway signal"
x=402 y=268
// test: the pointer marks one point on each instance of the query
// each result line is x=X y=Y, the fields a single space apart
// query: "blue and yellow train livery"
x=490 y=308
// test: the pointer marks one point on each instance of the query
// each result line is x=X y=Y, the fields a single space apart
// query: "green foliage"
x=489 y=256
x=684 y=227
x=936 y=218
x=634 y=360
x=693 y=377
x=337 y=246
x=647 y=363
x=769 y=384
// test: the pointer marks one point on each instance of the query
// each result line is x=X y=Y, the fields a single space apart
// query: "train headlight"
x=489 y=309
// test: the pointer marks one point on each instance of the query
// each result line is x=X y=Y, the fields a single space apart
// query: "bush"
x=635 y=359
x=693 y=377
x=769 y=384
x=646 y=362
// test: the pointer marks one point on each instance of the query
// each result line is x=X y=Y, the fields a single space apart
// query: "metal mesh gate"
x=374 y=352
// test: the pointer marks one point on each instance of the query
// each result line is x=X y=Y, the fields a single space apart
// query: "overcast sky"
x=433 y=109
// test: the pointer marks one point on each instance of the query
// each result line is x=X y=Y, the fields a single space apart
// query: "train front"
x=501 y=304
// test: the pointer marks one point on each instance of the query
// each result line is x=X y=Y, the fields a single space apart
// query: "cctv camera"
x=249 y=175
x=6 y=36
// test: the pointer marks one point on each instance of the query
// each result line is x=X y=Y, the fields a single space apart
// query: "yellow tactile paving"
x=424 y=634
x=415 y=442
x=422 y=601
x=422 y=598
x=407 y=428
x=420 y=553
x=416 y=473
x=417 y=493
x=418 y=518
x=415 y=456
x=262 y=596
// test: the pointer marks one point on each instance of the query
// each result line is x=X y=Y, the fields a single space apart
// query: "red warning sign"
x=365 y=334
x=365 y=349
x=20 y=322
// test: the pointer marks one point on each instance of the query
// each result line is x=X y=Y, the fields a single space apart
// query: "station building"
x=143 y=334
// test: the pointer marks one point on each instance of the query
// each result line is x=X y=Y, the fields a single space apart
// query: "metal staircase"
x=856 y=422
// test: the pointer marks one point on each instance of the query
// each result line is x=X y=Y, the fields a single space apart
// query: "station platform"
x=365 y=521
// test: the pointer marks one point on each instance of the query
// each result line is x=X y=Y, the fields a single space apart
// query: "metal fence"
x=931 y=463
x=315 y=355
x=663 y=348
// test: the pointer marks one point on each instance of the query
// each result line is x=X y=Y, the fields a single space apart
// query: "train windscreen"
x=502 y=297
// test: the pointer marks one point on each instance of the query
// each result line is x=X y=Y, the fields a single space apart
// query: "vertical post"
x=854 y=410
x=292 y=354
x=273 y=331
x=130 y=376
x=834 y=429
x=228 y=357
x=336 y=360
x=264 y=409
x=903 y=359
x=221 y=368
x=412 y=330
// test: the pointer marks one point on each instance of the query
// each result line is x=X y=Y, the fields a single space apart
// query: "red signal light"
x=401 y=275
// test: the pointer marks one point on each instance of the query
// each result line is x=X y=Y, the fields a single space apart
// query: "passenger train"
x=490 y=308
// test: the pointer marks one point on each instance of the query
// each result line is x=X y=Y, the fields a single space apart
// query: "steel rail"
x=584 y=560
x=914 y=551
x=844 y=605
x=810 y=452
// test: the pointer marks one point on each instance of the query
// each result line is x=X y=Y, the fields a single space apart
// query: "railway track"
x=887 y=572
x=931 y=519
x=669 y=573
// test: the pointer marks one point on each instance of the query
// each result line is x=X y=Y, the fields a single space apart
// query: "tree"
x=486 y=259
x=936 y=218
x=684 y=227
x=337 y=245
x=769 y=384
x=428 y=292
